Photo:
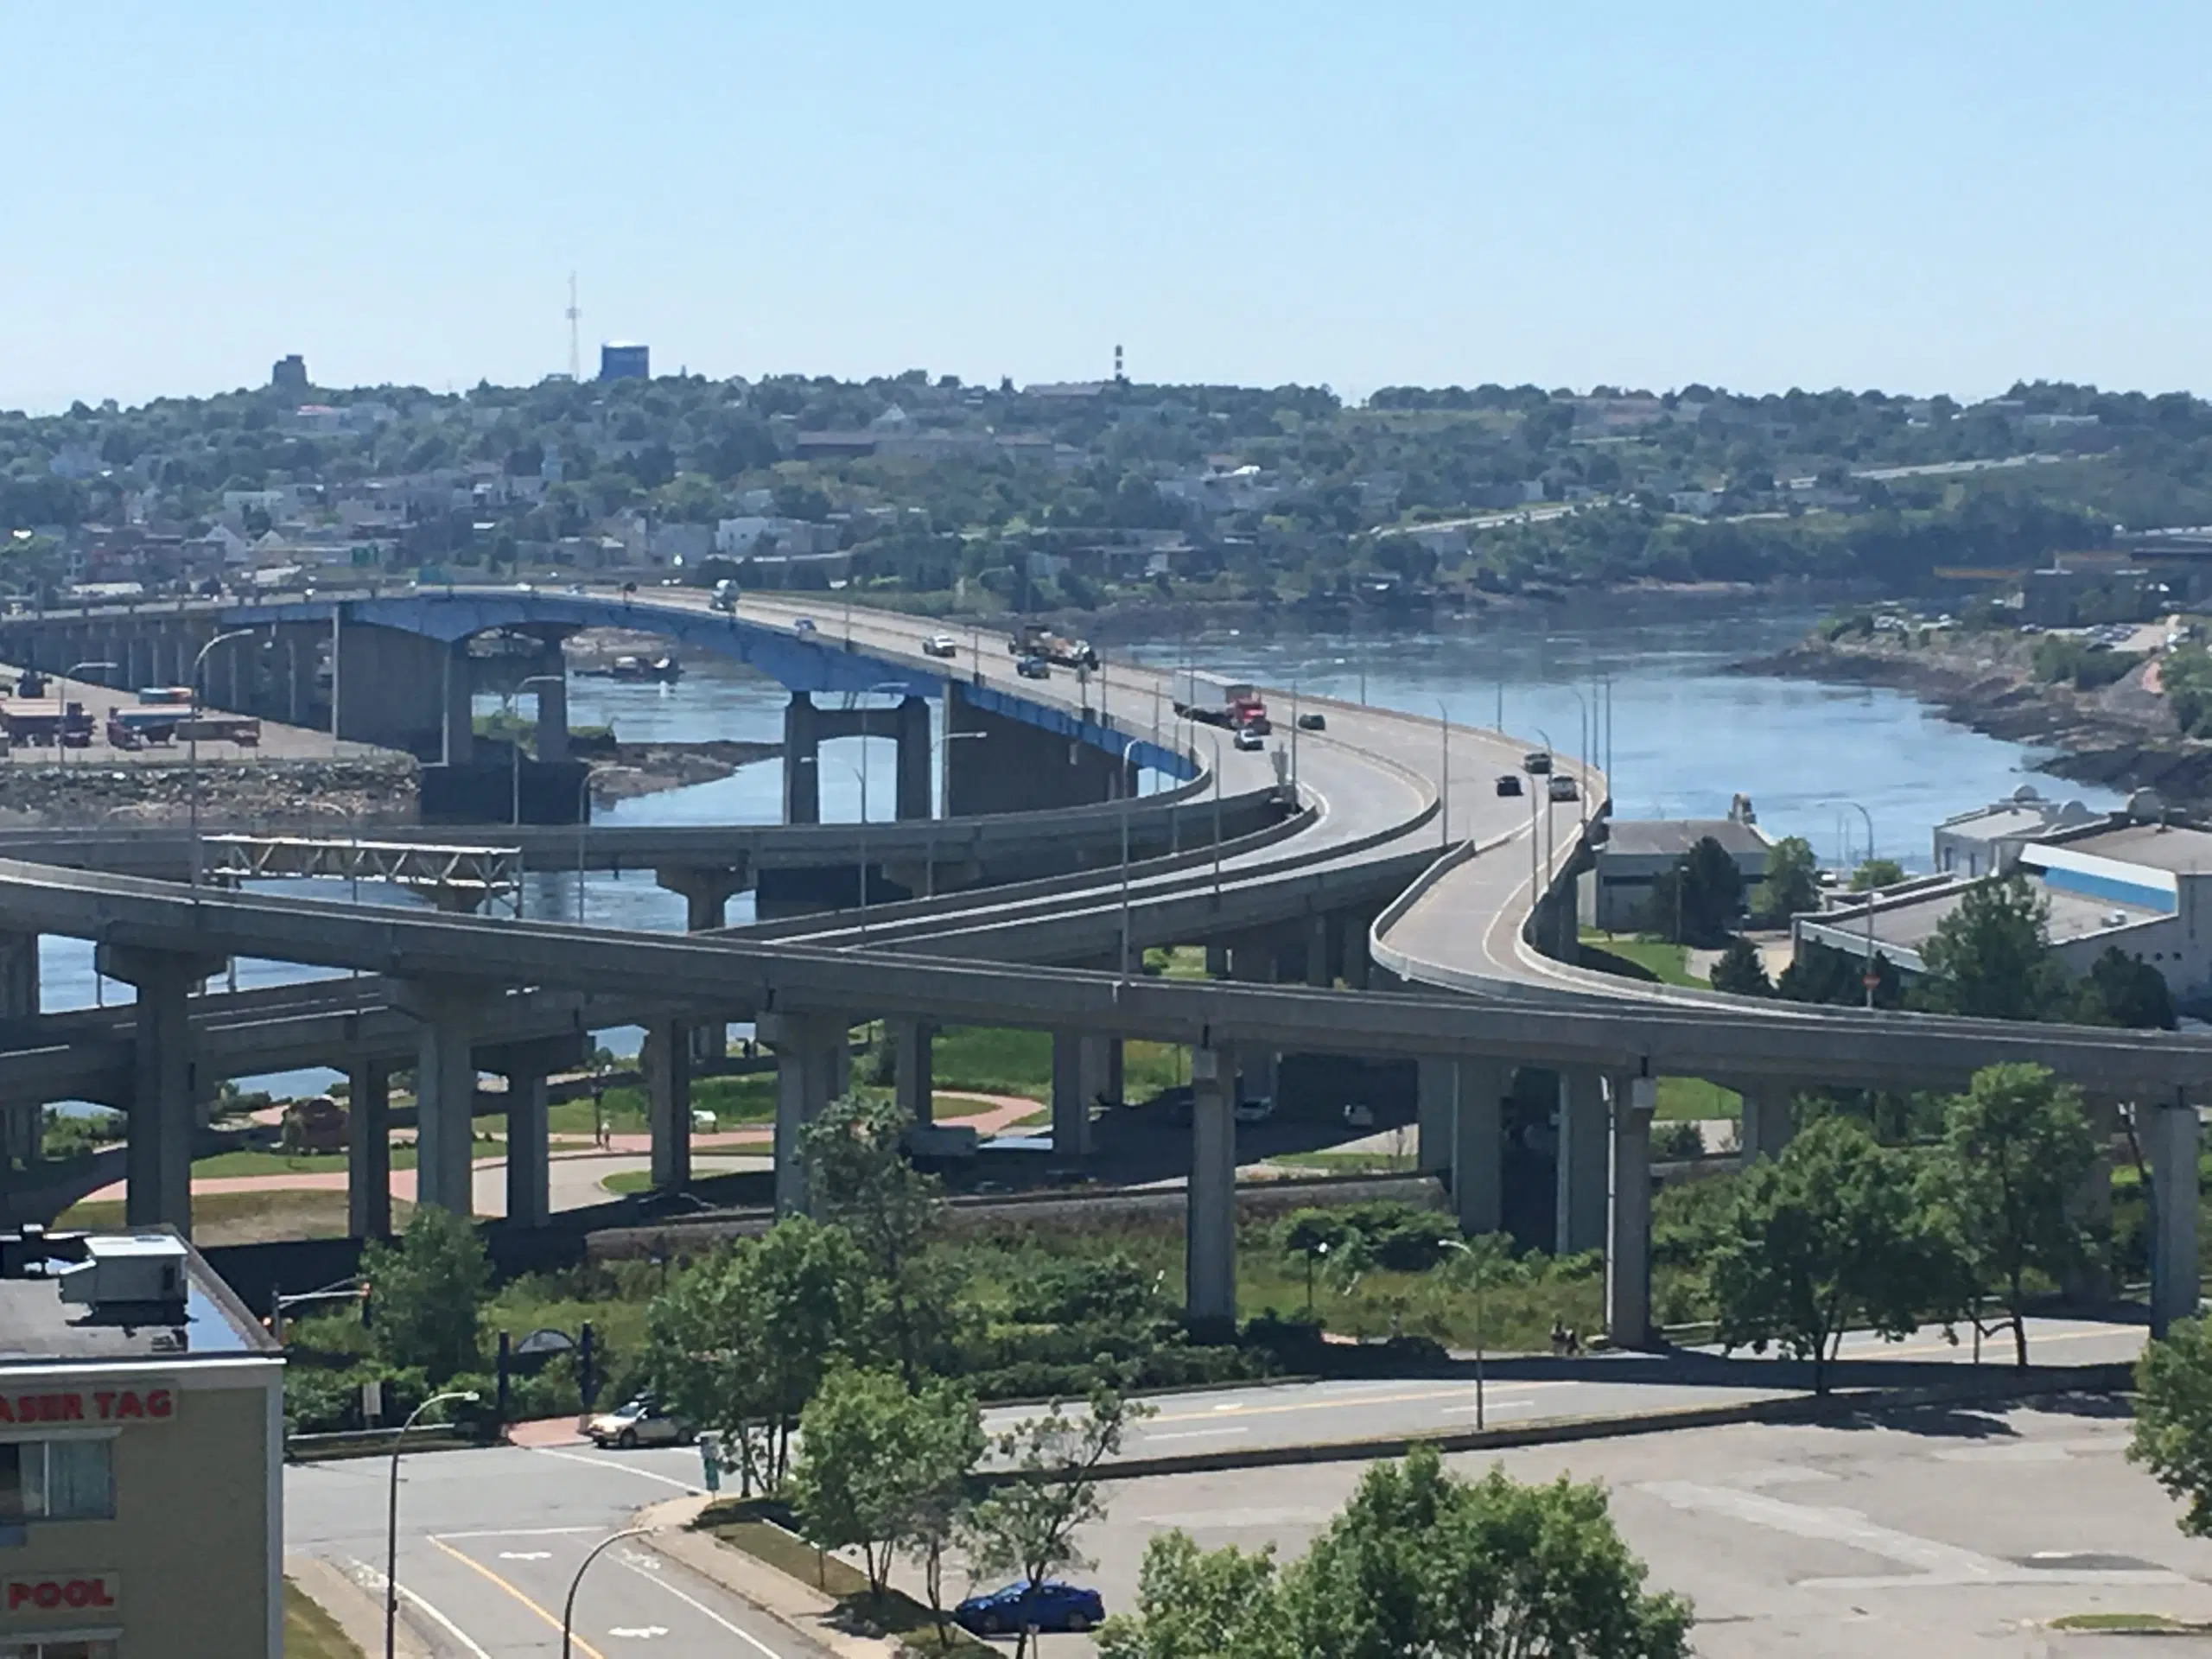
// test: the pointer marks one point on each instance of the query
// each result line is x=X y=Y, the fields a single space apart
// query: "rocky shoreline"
x=635 y=769
x=2122 y=736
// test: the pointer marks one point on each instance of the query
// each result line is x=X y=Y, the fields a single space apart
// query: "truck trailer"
x=1220 y=701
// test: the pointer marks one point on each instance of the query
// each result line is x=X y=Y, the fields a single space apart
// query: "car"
x=940 y=644
x=1509 y=782
x=640 y=1422
x=1313 y=722
x=1562 y=789
x=1033 y=668
x=803 y=625
x=1255 y=1111
x=1537 y=762
x=1249 y=739
x=1357 y=1117
x=1049 y=1607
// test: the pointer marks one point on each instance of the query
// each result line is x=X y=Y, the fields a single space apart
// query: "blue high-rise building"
x=624 y=360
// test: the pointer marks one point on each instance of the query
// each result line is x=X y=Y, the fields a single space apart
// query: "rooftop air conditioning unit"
x=141 y=1269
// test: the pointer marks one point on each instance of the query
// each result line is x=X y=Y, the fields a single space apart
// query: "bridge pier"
x=1436 y=1111
x=457 y=718
x=1252 y=961
x=1358 y=964
x=552 y=717
x=913 y=1067
x=915 y=794
x=1628 y=1213
x=19 y=981
x=526 y=1066
x=812 y=1051
x=707 y=892
x=368 y=1150
x=445 y=1091
x=1086 y=1068
x=157 y=1162
x=1320 y=966
x=666 y=1060
x=1210 y=1227
x=1479 y=1145
x=1581 y=1222
x=2168 y=1130
x=1768 y=1122
x=802 y=761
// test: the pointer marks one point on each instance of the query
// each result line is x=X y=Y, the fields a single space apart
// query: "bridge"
x=1360 y=890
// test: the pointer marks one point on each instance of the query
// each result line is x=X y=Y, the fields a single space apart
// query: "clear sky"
x=1921 y=196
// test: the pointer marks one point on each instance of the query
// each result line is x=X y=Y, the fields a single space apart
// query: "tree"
x=1420 y=1561
x=2016 y=1150
x=1877 y=873
x=1991 y=958
x=874 y=1460
x=1828 y=1232
x=427 y=1292
x=2173 y=1420
x=1026 y=1525
x=1741 y=971
x=2123 y=991
x=856 y=1166
x=1697 y=899
x=1821 y=973
x=1791 y=884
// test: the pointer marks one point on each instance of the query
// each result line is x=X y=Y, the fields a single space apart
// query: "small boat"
x=666 y=670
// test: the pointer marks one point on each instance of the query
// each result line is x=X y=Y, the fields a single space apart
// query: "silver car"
x=640 y=1422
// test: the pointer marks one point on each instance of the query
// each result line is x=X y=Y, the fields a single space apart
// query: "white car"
x=1255 y=1111
x=940 y=644
x=1357 y=1117
x=1249 y=741
x=641 y=1422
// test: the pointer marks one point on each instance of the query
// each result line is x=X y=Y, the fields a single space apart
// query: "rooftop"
x=1909 y=923
x=1672 y=837
x=38 y=1325
x=2173 y=848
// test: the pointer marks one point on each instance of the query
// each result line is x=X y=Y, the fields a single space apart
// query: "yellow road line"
x=582 y=1646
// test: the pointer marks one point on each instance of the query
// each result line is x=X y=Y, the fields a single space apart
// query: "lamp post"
x=1128 y=749
x=1867 y=978
x=1582 y=795
x=583 y=822
x=1477 y=1266
x=1293 y=739
x=514 y=744
x=391 y=1524
x=191 y=744
x=1543 y=827
x=71 y=673
x=569 y=1607
x=1444 y=794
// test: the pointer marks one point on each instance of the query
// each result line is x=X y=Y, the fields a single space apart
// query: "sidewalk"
x=798 y=1606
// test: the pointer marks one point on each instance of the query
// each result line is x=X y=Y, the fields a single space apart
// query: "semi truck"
x=1035 y=639
x=1220 y=701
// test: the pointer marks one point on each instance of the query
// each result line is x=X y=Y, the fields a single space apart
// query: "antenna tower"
x=575 y=348
x=1118 y=375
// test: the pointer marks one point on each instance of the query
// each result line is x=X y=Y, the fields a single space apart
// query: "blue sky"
x=1923 y=197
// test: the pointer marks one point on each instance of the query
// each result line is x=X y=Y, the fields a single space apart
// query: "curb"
x=1786 y=1408
x=793 y=1603
x=356 y=1610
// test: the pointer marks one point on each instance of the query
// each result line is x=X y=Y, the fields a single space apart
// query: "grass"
x=988 y=1061
x=1662 y=961
x=1346 y=1163
x=244 y=1218
x=249 y=1162
x=750 y=1098
x=1694 y=1097
x=310 y=1633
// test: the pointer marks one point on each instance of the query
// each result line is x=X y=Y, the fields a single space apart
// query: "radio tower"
x=575 y=348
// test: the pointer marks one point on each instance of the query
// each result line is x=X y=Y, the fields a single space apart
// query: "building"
x=1616 y=892
x=624 y=360
x=289 y=374
x=142 y=1444
x=1987 y=841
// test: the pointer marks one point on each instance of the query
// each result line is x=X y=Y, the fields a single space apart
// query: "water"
x=1684 y=737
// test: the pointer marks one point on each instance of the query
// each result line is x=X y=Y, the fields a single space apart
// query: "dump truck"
x=1035 y=639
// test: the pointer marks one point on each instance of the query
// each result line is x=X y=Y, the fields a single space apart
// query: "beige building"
x=141 y=1439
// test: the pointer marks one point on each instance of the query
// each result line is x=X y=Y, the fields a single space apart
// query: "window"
x=56 y=1480
x=70 y=1647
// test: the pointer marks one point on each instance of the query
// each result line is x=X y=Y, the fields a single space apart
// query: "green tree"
x=1791 y=884
x=1026 y=1526
x=1821 y=973
x=427 y=1293
x=2016 y=1148
x=2123 y=991
x=2173 y=1420
x=1195 y=1604
x=1991 y=958
x=1877 y=873
x=1741 y=971
x=1828 y=1233
x=875 y=1460
x=857 y=1169
x=1696 y=901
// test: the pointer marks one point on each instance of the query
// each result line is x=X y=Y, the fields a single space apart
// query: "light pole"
x=71 y=673
x=391 y=1524
x=192 y=743
x=1544 y=826
x=1477 y=1265
x=514 y=743
x=569 y=1607
x=1869 y=976
x=1582 y=794
x=1444 y=794
x=1123 y=780
x=860 y=773
x=1293 y=739
x=583 y=822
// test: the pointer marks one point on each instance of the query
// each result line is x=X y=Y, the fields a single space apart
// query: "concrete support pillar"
x=1209 y=1237
x=292 y=681
x=19 y=982
x=445 y=1094
x=530 y=1184
x=1318 y=957
x=2091 y=1201
x=707 y=892
x=2167 y=1129
x=1253 y=962
x=911 y=723
x=1216 y=961
x=459 y=720
x=368 y=1150
x=1583 y=1156
x=666 y=1058
x=802 y=762
x=1769 y=1121
x=157 y=1162
x=1436 y=1105
x=1115 y=1086
x=1628 y=1213
x=1479 y=1145
x=810 y=1053
x=552 y=719
x=1070 y=1101
x=1358 y=965
x=913 y=1067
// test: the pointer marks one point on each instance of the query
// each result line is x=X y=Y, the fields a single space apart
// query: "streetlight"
x=71 y=673
x=569 y=1607
x=391 y=1525
x=1213 y=737
x=1123 y=780
x=192 y=745
x=1444 y=794
x=514 y=743
x=1477 y=1263
x=1868 y=977
x=1582 y=794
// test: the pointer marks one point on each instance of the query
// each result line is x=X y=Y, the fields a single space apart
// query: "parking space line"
x=470 y=1561
x=654 y=1576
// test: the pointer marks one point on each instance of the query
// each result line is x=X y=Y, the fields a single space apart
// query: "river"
x=1685 y=736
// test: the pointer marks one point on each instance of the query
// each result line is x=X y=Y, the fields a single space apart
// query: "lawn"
x=750 y=1098
x=1346 y=1163
x=310 y=1633
x=244 y=1218
x=988 y=1061
x=1694 y=1097
x=1662 y=961
x=249 y=1162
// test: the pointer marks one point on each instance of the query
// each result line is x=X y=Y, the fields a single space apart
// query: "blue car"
x=1051 y=1607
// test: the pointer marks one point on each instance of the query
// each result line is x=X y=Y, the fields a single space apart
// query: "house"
x=1615 y=894
x=1987 y=841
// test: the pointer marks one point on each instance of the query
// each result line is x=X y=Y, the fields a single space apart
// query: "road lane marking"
x=653 y=1575
x=1334 y=1402
x=1196 y=1434
x=525 y=1554
x=470 y=1562
x=620 y=1468
x=373 y=1578
x=521 y=1532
